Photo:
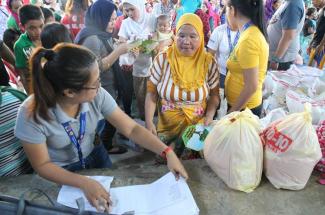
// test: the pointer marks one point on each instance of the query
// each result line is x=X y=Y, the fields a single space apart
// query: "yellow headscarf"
x=189 y=73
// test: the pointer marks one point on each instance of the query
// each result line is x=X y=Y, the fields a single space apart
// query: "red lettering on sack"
x=276 y=141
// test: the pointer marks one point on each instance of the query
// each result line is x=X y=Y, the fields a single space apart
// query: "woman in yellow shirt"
x=247 y=64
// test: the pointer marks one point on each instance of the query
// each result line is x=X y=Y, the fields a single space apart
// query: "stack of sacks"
x=292 y=88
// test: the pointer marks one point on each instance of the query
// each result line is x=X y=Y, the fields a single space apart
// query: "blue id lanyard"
x=232 y=45
x=246 y=26
x=77 y=141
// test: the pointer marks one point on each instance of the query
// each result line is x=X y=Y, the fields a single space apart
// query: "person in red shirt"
x=75 y=15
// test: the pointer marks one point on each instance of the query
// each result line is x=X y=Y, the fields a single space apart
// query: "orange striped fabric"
x=161 y=82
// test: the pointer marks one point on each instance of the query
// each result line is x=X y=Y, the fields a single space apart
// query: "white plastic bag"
x=283 y=82
x=271 y=103
x=274 y=115
x=291 y=150
x=295 y=101
x=269 y=85
x=234 y=151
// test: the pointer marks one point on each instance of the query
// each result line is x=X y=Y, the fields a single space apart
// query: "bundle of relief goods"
x=296 y=99
x=291 y=150
x=306 y=81
x=272 y=116
x=234 y=151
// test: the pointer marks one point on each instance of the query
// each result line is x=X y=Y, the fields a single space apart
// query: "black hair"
x=310 y=11
x=47 y=13
x=10 y=36
x=76 y=6
x=67 y=66
x=55 y=33
x=252 y=9
x=30 y=12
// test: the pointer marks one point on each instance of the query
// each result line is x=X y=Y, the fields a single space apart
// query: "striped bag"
x=13 y=161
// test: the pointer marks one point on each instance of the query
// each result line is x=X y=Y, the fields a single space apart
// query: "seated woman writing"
x=57 y=123
x=184 y=82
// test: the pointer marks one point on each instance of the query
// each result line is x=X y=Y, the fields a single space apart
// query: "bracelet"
x=165 y=152
x=275 y=59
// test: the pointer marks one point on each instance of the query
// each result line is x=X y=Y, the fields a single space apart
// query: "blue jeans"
x=98 y=158
x=222 y=80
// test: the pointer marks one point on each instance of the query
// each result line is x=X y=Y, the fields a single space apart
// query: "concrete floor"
x=211 y=194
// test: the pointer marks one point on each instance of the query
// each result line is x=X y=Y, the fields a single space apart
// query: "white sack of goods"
x=296 y=99
x=234 y=151
x=291 y=150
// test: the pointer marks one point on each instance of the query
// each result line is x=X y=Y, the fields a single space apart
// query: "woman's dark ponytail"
x=44 y=94
x=66 y=66
x=260 y=18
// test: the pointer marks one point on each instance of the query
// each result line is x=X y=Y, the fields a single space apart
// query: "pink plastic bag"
x=321 y=139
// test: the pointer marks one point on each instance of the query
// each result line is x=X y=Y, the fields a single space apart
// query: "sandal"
x=117 y=150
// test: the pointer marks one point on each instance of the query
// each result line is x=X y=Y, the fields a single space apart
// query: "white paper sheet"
x=68 y=195
x=164 y=196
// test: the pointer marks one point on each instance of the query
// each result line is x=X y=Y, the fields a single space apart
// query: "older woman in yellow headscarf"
x=184 y=84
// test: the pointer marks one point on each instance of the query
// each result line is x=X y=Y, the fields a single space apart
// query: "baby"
x=164 y=34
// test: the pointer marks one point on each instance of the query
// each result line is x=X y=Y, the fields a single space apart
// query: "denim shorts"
x=98 y=158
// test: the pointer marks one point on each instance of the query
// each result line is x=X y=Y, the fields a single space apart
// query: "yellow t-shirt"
x=251 y=51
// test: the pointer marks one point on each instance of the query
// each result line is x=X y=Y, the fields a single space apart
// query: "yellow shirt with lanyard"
x=251 y=51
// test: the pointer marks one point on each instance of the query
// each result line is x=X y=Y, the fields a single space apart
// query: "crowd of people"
x=82 y=66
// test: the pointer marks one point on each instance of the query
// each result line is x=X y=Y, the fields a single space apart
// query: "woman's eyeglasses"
x=96 y=87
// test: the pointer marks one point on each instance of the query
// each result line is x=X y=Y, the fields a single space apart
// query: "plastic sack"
x=283 y=82
x=270 y=104
x=295 y=102
x=318 y=87
x=274 y=115
x=234 y=151
x=269 y=85
x=291 y=150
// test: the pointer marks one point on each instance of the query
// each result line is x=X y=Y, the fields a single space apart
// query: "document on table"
x=164 y=196
x=68 y=195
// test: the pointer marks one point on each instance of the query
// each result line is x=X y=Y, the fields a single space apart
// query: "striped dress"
x=161 y=82
x=13 y=161
x=178 y=108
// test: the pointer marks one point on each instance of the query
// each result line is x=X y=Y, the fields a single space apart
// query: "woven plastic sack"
x=291 y=150
x=296 y=99
x=234 y=151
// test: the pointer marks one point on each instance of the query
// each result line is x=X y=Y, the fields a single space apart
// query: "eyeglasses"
x=96 y=87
